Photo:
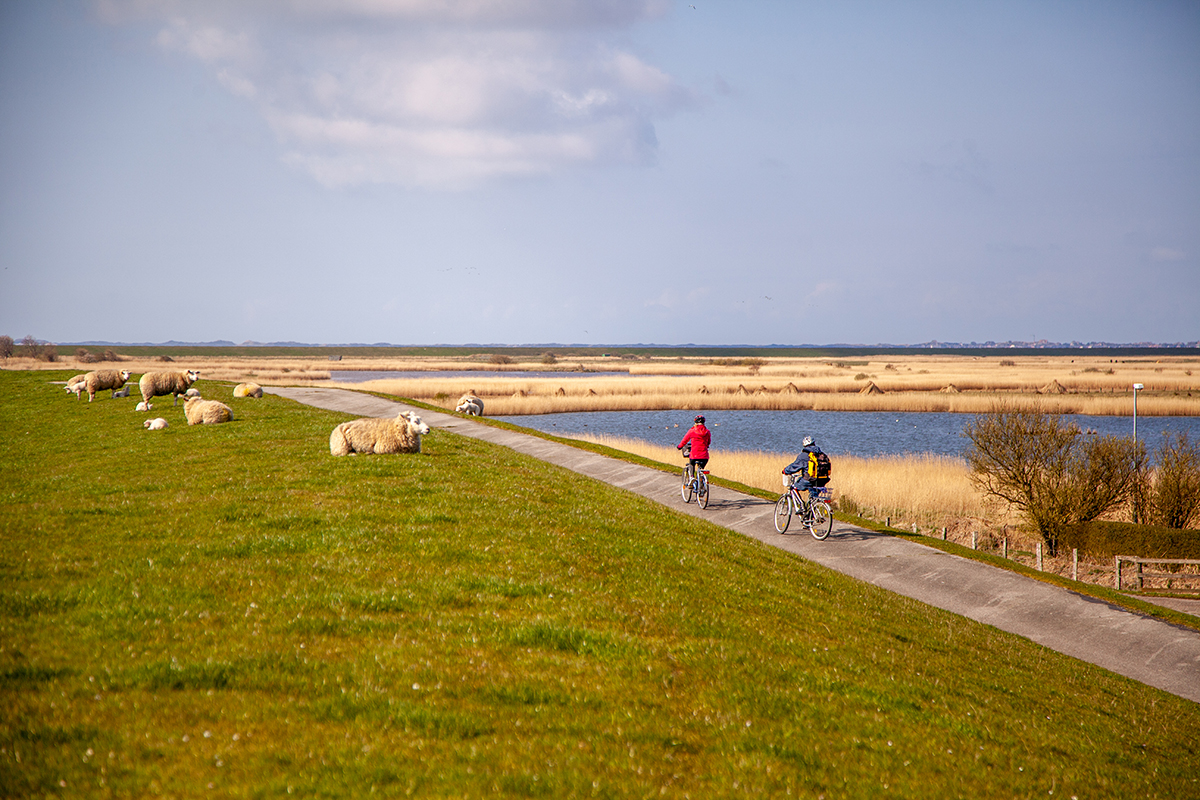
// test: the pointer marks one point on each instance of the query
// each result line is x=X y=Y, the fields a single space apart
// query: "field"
x=228 y=610
x=1082 y=383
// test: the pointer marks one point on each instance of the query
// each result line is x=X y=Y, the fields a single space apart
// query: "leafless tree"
x=1175 y=493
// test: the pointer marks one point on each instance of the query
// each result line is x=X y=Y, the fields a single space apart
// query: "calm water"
x=860 y=433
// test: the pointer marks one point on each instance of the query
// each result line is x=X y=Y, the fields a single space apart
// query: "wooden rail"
x=1141 y=574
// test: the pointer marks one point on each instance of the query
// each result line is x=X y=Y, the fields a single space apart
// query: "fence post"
x=974 y=539
x=1075 y=563
x=943 y=533
x=1005 y=547
x=914 y=527
x=1139 y=576
x=887 y=521
x=1039 y=556
x=1117 y=571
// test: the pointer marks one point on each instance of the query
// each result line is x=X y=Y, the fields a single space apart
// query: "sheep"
x=76 y=385
x=143 y=406
x=155 y=384
x=206 y=412
x=122 y=392
x=470 y=404
x=401 y=434
x=104 y=379
x=192 y=392
x=155 y=424
x=247 y=390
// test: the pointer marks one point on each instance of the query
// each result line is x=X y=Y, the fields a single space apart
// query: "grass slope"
x=228 y=609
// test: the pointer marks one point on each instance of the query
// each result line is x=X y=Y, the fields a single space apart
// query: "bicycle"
x=814 y=512
x=695 y=482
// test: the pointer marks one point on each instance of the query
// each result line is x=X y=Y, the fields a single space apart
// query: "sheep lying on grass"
x=206 y=412
x=247 y=390
x=155 y=424
x=401 y=434
x=192 y=392
x=470 y=404
x=122 y=392
x=143 y=406
x=156 y=384
x=104 y=379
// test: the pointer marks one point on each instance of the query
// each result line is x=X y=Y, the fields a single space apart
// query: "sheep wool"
x=143 y=406
x=156 y=384
x=471 y=405
x=76 y=385
x=247 y=390
x=401 y=434
x=104 y=379
x=155 y=424
x=206 y=412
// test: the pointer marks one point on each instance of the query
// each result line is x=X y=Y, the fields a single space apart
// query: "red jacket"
x=700 y=436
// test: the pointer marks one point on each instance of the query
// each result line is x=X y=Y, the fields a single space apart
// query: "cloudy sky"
x=600 y=171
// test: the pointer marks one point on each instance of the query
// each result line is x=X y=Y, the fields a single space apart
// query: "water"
x=860 y=433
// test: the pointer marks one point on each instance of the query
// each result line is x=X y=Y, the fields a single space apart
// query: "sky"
x=600 y=171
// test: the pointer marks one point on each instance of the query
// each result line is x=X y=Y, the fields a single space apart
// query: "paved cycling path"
x=1130 y=644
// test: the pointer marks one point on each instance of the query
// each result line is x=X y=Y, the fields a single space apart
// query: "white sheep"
x=143 y=406
x=76 y=385
x=247 y=390
x=206 y=412
x=192 y=392
x=155 y=424
x=401 y=434
x=471 y=405
x=155 y=384
x=104 y=379
x=122 y=392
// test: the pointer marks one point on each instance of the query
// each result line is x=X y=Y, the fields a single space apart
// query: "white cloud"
x=426 y=92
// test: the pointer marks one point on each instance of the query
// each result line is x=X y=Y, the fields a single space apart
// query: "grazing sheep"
x=143 y=406
x=247 y=390
x=155 y=424
x=206 y=412
x=104 y=379
x=470 y=404
x=76 y=385
x=156 y=384
x=401 y=434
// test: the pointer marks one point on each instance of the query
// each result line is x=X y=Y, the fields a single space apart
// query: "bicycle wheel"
x=702 y=494
x=820 y=521
x=783 y=513
x=688 y=488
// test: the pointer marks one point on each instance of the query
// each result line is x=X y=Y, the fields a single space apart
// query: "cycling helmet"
x=699 y=418
x=808 y=440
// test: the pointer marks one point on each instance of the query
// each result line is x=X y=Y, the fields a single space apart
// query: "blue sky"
x=599 y=171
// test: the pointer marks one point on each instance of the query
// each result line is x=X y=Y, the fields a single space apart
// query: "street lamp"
x=1136 y=386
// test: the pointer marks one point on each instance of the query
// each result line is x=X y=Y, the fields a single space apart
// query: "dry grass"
x=928 y=383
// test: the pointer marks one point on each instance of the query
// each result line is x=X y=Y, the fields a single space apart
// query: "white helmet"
x=808 y=440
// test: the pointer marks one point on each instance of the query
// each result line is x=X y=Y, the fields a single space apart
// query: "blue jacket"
x=801 y=463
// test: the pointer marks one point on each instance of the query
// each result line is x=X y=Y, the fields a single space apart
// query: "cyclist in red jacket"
x=699 y=437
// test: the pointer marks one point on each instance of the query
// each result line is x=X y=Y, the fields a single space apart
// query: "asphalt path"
x=1145 y=649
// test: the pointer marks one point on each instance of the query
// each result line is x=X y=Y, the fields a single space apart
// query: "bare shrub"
x=49 y=353
x=1053 y=474
x=500 y=358
x=6 y=347
x=1174 y=498
x=549 y=358
x=110 y=355
x=31 y=347
x=83 y=356
x=164 y=358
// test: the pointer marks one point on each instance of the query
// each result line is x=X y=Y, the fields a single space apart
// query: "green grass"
x=230 y=605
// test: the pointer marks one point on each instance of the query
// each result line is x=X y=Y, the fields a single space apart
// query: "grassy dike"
x=230 y=611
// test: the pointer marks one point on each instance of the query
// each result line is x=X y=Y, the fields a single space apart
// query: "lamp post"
x=1136 y=386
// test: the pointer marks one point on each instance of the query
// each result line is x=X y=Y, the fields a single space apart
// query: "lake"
x=860 y=433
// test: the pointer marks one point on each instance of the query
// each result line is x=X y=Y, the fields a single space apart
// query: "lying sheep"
x=206 y=412
x=192 y=392
x=143 y=406
x=155 y=424
x=247 y=390
x=122 y=392
x=156 y=384
x=105 y=379
x=401 y=434
x=471 y=405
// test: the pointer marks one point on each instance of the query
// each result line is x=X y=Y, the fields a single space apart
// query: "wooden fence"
x=1191 y=579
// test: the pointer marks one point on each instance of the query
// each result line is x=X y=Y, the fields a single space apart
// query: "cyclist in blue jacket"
x=799 y=468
